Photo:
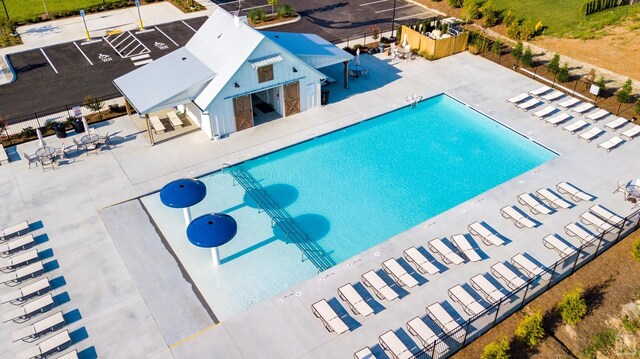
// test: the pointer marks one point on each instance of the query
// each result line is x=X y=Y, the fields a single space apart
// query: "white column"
x=215 y=256
x=187 y=216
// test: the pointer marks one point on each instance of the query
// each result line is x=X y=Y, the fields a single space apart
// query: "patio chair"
x=513 y=280
x=574 y=192
x=365 y=73
x=517 y=99
x=47 y=347
x=31 y=159
x=61 y=152
x=534 y=204
x=553 y=199
x=482 y=284
x=583 y=108
x=353 y=74
x=464 y=246
x=529 y=104
x=357 y=304
x=575 y=126
x=74 y=355
x=14 y=230
x=486 y=235
x=321 y=309
x=589 y=218
x=459 y=295
x=558 y=119
x=39 y=328
x=372 y=280
x=617 y=123
x=22 y=294
x=544 y=112
x=448 y=256
x=526 y=265
x=47 y=161
x=399 y=274
x=16 y=245
x=439 y=315
x=598 y=115
x=553 y=95
x=79 y=146
x=390 y=342
x=611 y=143
x=571 y=101
x=19 y=260
x=540 y=90
x=21 y=274
x=574 y=230
x=419 y=329
x=104 y=141
x=518 y=218
x=413 y=255
x=607 y=215
x=364 y=353
x=553 y=242
x=631 y=133
x=29 y=309
x=174 y=119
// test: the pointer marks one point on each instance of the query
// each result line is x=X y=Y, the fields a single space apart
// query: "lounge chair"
x=464 y=246
x=29 y=309
x=631 y=133
x=22 y=294
x=39 y=328
x=540 y=90
x=399 y=274
x=16 y=245
x=534 y=204
x=321 y=309
x=46 y=347
x=14 y=230
x=501 y=271
x=617 y=123
x=390 y=342
x=597 y=222
x=611 y=143
x=486 y=235
x=544 y=112
x=30 y=271
x=518 y=218
x=558 y=119
x=592 y=133
x=526 y=265
x=71 y=355
x=598 y=115
x=583 y=108
x=174 y=119
x=607 y=215
x=372 y=280
x=517 y=99
x=357 y=304
x=419 y=329
x=574 y=192
x=553 y=242
x=439 y=315
x=553 y=199
x=574 y=230
x=468 y=303
x=156 y=124
x=413 y=255
x=18 y=260
x=553 y=95
x=482 y=284
x=571 y=101
x=448 y=256
x=364 y=353
x=529 y=104
x=575 y=126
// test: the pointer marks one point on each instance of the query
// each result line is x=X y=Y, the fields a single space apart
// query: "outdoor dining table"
x=404 y=51
x=46 y=152
x=357 y=70
x=90 y=138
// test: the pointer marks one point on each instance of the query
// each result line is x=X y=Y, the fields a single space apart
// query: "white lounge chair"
x=46 y=347
x=357 y=304
x=575 y=126
x=518 y=218
x=526 y=265
x=553 y=199
x=553 y=95
x=13 y=230
x=372 y=280
x=598 y=115
x=39 y=328
x=321 y=309
x=15 y=245
x=540 y=90
x=18 y=260
x=439 y=315
x=448 y=256
x=611 y=143
x=390 y=342
x=486 y=235
x=418 y=328
x=458 y=294
x=364 y=353
x=29 y=309
x=553 y=242
x=592 y=133
x=544 y=112
x=74 y=355
x=607 y=215
x=174 y=119
x=558 y=119
x=517 y=99
x=583 y=108
x=574 y=192
x=413 y=255
x=535 y=206
x=571 y=101
x=20 y=274
x=617 y=123
x=464 y=246
x=501 y=271
x=597 y=222
x=529 y=104
x=482 y=284
x=32 y=289
x=399 y=274
x=631 y=133
x=156 y=124
x=574 y=230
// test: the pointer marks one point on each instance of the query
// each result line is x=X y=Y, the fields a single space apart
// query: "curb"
x=11 y=76
x=279 y=24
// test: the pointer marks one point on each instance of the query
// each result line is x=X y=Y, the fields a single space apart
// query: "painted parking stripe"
x=397 y=7
x=373 y=2
x=413 y=16
x=136 y=58
x=194 y=30
x=49 y=61
x=167 y=36
x=83 y=54
x=140 y=63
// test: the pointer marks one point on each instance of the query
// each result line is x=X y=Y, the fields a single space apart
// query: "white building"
x=227 y=70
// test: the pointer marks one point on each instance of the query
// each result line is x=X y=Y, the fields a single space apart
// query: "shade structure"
x=211 y=231
x=183 y=193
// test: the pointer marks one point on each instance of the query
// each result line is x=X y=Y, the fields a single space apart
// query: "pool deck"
x=127 y=295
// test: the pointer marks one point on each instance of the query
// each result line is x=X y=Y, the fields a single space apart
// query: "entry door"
x=243 y=112
x=291 y=98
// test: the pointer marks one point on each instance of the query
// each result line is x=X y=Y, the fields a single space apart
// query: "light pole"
x=393 y=18
x=45 y=8
x=5 y=10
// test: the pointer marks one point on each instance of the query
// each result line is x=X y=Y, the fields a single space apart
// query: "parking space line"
x=49 y=61
x=114 y=49
x=194 y=30
x=397 y=7
x=167 y=36
x=255 y=7
x=414 y=15
x=141 y=43
x=373 y=2
x=83 y=54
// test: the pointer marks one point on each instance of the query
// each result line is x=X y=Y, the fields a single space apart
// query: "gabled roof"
x=311 y=48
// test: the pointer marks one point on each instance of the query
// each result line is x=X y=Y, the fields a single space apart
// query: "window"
x=265 y=73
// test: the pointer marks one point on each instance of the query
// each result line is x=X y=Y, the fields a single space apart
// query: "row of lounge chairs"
x=158 y=126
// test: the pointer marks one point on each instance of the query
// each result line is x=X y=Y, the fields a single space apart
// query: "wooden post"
x=126 y=105
x=346 y=74
x=149 y=131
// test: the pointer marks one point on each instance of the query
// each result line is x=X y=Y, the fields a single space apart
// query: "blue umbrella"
x=211 y=231
x=183 y=193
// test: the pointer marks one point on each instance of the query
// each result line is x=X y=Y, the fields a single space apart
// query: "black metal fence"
x=474 y=327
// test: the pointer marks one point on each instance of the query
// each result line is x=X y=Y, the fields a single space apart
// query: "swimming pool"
x=354 y=188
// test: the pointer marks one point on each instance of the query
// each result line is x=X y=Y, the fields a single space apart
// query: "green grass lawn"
x=22 y=10
x=562 y=17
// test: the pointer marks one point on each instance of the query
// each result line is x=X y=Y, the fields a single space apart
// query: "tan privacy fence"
x=434 y=49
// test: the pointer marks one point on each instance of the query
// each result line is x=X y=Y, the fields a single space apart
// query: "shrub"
x=601 y=83
x=554 y=64
x=530 y=331
x=539 y=27
x=624 y=94
x=488 y=14
x=273 y=4
x=517 y=51
x=631 y=323
x=286 y=10
x=496 y=47
x=526 y=30
x=638 y=113
x=256 y=15
x=509 y=18
x=600 y=342
x=513 y=29
x=527 y=57
x=28 y=131
x=572 y=306
x=563 y=74
x=635 y=250
x=496 y=350
x=455 y=3
x=471 y=10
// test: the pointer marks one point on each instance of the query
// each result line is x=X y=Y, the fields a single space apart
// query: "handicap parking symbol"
x=105 y=58
x=161 y=45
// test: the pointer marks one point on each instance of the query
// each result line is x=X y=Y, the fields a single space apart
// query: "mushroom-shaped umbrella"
x=211 y=231
x=183 y=193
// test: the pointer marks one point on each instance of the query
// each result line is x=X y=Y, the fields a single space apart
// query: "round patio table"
x=46 y=151
x=89 y=139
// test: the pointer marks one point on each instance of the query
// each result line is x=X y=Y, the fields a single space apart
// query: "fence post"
x=433 y=351
x=576 y=261
x=500 y=57
x=67 y=108
x=347 y=41
x=495 y=319
x=624 y=221
x=575 y=86
x=552 y=273
x=37 y=120
x=466 y=332
x=598 y=247
x=526 y=290
x=619 y=105
x=364 y=40
x=554 y=80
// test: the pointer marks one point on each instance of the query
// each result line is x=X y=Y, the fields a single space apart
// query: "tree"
x=530 y=330
x=94 y=104
x=563 y=74
x=471 y=10
x=638 y=110
x=527 y=57
x=456 y=3
x=554 y=64
x=513 y=29
x=624 y=94
x=601 y=83
x=496 y=350
x=273 y=4
x=496 y=47
x=526 y=30
x=572 y=306
x=517 y=51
